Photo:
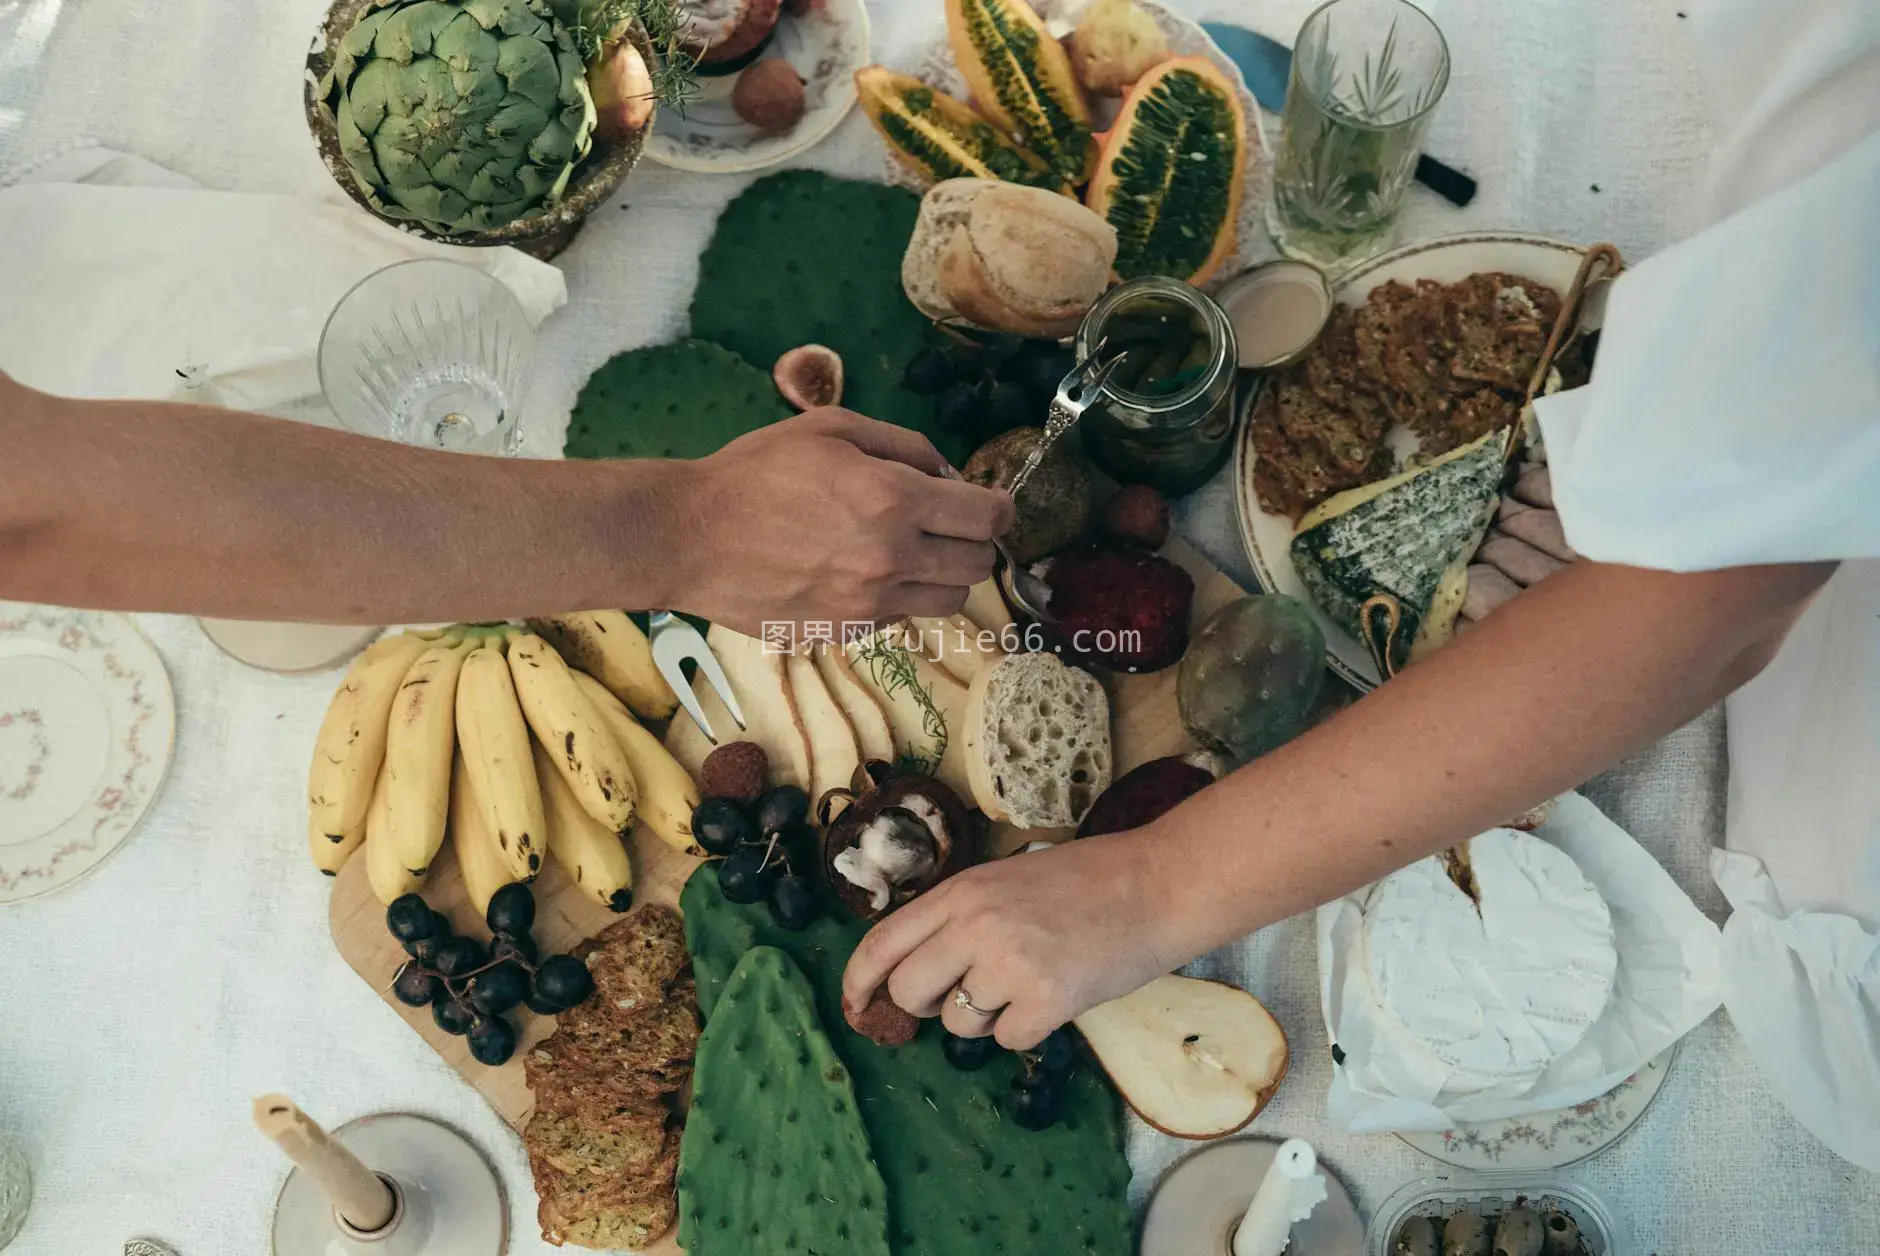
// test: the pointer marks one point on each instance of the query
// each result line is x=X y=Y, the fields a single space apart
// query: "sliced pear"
x=834 y=755
x=1195 y=1059
x=762 y=689
x=873 y=736
x=907 y=717
x=985 y=606
x=960 y=647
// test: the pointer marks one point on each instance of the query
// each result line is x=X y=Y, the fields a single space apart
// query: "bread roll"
x=1008 y=258
x=1037 y=741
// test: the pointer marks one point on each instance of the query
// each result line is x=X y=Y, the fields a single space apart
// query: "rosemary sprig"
x=894 y=671
x=600 y=22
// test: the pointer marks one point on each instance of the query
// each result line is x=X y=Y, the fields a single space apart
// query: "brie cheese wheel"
x=1498 y=986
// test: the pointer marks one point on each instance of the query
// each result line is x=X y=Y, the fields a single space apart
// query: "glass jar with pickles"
x=1166 y=417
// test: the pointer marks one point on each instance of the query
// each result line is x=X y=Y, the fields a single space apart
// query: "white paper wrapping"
x=1668 y=981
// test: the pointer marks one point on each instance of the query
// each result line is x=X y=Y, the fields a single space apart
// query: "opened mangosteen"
x=896 y=842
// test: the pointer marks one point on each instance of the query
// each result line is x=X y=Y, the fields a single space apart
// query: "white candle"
x=1292 y=1188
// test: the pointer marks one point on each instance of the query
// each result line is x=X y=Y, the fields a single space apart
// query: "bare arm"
x=1554 y=687
x=151 y=506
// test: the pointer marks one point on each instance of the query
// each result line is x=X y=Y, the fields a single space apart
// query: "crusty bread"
x=1007 y=258
x=1037 y=741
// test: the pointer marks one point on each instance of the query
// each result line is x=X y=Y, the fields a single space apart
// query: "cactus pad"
x=775 y=1161
x=680 y=400
x=802 y=258
x=962 y=1180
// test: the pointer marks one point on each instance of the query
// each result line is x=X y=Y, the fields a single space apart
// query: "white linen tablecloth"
x=142 y=1010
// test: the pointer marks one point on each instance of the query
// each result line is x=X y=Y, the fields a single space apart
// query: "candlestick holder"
x=393 y=1184
x=1200 y=1200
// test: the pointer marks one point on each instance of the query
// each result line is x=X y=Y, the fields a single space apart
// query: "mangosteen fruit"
x=895 y=843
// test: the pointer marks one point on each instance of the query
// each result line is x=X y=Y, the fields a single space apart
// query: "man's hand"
x=831 y=516
x=1041 y=938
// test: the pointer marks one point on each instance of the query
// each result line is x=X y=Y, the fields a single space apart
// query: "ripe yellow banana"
x=418 y=746
x=390 y=879
x=351 y=746
x=611 y=648
x=584 y=751
x=479 y=860
x=668 y=795
x=594 y=858
x=496 y=757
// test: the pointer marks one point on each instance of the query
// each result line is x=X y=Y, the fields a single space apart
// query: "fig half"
x=895 y=843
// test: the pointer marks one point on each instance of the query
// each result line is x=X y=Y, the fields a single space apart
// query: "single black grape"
x=969 y=1055
x=563 y=982
x=411 y=919
x=1007 y=407
x=958 y=409
x=999 y=348
x=780 y=808
x=927 y=372
x=800 y=844
x=743 y=875
x=1035 y=1102
x=498 y=989
x=792 y=903
x=520 y=949
x=457 y=956
x=1056 y=1053
x=424 y=950
x=415 y=987
x=453 y=1017
x=720 y=825
x=968 y=363
x=492 y=1040
x=511 y=912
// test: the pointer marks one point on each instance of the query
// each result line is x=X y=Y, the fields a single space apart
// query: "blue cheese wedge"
x=1410 y=536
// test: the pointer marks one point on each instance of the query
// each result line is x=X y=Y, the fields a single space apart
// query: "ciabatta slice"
x=1037 y=741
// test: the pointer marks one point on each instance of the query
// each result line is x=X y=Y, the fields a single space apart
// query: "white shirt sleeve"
x=1734 y=414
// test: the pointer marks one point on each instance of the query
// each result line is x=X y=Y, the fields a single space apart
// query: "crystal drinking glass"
x=429 y=352
x=1366 y=76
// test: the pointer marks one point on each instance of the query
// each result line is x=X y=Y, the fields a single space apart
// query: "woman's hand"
x=831 y=516
x=1039 y=938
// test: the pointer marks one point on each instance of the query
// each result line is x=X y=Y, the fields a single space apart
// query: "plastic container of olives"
x=1489 y=1195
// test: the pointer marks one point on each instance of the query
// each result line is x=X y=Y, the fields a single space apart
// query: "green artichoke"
x=460 y=115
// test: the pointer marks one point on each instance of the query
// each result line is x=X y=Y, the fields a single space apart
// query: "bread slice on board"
x=1036 y=741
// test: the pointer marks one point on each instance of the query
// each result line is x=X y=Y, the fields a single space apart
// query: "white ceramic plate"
x=1448 y=260
x=1549 y=1140
x=827 y=46
x=86 y=727
x=1186 y=39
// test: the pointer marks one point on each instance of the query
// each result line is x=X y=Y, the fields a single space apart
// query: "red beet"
x=1144 y=794
x=1120 y=609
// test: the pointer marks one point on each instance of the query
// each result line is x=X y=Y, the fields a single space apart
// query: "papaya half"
x=1171 y=175
x=940 y=137
x=1021 y=78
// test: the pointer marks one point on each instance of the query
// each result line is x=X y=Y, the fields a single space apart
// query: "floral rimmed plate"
x=827 y=45
x=1549 y=1140
x=86 y=726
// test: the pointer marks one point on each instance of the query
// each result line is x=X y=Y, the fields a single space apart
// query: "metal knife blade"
x=1266 y=64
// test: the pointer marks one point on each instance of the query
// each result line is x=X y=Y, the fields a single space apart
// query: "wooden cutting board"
x=1144 y=725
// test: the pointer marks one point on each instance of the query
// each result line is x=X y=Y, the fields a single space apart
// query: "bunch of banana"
x=484 y=734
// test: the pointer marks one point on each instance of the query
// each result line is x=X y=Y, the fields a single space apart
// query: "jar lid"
x=1278 y=309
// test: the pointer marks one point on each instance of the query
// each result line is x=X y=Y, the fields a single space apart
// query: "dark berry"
x=958 y=409
x=520 y=949
x=457 y=956
x=743 y=875
x=1034 y=1101
x=927 y=372
x=498 y=989
x=415 y=987
x=411 y=919
x=511 y=912
x=424 y=950
x=1056 y=1054
x=792 y=904
x=492 y=1041
x=453 y=1017
x=542 y=1007
x=563 y=981
x=969 y=1055
x=799 y=844
x=1009 y=406
x=782 y=807
x=720 y=825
